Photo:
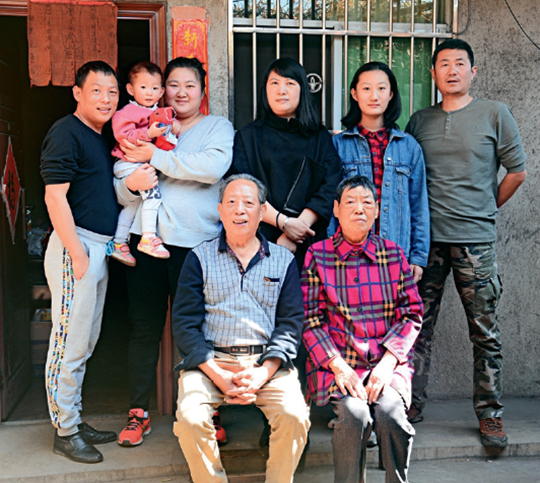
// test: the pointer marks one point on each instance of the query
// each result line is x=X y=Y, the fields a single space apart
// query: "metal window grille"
x=338 y=36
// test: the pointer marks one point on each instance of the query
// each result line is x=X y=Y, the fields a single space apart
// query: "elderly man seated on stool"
x=362 y=316
x=238 y=325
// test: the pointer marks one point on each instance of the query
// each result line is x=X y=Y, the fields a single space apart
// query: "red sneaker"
x=221 y=435
x=137 y=427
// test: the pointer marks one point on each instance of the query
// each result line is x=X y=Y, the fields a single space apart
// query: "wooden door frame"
x=155 y=14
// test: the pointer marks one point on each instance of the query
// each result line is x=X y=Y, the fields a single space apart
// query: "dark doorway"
x=15 y=368
x=106 y=384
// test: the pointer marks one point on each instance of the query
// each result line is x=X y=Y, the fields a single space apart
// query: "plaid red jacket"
x=359 y=302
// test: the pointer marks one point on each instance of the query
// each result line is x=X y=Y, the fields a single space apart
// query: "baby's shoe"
x=153 y=246
x=122 y=254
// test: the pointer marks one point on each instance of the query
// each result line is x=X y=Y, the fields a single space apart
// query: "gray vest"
x=240 y=310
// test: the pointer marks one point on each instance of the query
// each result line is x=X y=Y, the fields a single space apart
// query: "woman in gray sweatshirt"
x=189 y=177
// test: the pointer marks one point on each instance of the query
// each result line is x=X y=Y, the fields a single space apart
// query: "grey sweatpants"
x=77 y=310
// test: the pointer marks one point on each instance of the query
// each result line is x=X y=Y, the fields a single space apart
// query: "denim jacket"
x=404 y=211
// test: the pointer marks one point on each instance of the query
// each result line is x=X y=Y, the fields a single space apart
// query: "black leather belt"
x=242 y=350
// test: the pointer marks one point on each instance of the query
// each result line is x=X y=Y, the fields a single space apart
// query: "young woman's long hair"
x=306 y=113
x=393 y=111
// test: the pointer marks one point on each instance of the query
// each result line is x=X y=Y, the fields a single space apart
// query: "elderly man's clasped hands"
x=240 y=384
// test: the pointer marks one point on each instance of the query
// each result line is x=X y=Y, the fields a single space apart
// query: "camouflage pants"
x=474 y=267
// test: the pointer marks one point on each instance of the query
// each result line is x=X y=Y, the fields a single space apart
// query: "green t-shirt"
x=463 y=151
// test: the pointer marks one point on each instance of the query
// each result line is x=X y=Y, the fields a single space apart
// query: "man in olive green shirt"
x=465 y=141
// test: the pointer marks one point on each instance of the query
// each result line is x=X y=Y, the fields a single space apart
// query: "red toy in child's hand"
x=164 y=117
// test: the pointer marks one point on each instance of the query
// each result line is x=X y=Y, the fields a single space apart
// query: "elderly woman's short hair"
x=353 y=182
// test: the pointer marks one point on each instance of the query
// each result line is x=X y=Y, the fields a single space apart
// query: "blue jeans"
x=352 y=427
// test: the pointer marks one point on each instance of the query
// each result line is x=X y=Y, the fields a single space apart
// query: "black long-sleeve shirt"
x=76 y=154
x=299 y=171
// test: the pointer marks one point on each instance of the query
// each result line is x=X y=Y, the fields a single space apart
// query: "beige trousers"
x=281 y=401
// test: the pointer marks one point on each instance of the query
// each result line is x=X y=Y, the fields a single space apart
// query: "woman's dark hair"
x=307 y=114
x=393 y=111
x=187 y=63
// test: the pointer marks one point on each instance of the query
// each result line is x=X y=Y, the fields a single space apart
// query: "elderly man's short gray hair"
x=227 y=181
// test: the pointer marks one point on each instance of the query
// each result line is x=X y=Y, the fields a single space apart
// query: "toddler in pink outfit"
x=131 y=123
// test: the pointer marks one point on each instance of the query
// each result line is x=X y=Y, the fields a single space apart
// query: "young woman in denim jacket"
x=373 y=146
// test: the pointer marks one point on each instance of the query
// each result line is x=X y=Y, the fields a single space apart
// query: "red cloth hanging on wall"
x=65 y=34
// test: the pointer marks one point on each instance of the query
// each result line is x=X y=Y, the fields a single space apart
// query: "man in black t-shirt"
x=76 y=167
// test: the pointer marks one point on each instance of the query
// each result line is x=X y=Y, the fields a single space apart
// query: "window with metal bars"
x=331 y=39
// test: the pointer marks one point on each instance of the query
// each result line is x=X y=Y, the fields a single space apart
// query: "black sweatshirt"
x=299 y=171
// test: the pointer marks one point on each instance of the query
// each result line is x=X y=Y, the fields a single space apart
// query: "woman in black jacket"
x=291 y=152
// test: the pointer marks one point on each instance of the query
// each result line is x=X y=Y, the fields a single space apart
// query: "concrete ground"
x=446 y=449
x=507 y=470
